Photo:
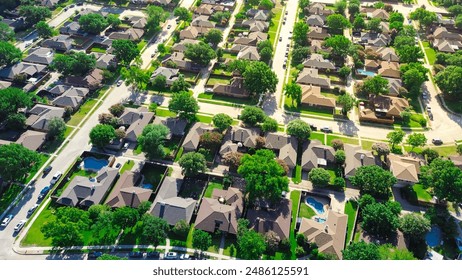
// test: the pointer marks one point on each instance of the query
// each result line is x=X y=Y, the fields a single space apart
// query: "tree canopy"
x=251 y=244
x=269 y=125
x=184 y=105
x=361 y=251
x=380 y=219
x=425 y=17
x=192 y=163
x=16 y=161
x=201 y=240
x=259 y=78
x=182 y=13
x=75 y=63
x=375 y=85
x=125 y=51
x=9 y=54
x=414 y=226
x=102 y=134
x=416 y=140
x=43 y=29
x=265 y=178
x=373 y=180
x=294 y=91
x=445 y=179
x=214 y=36
x=319 y=177
x=450 y=81
x=11 y=99
x=66 y=230
x=299 y=128
x=252 y=115
x=93 y=23
x=300 y=31
x=56 y=128
x=156 y=15
x=336 y=23
x=180 y=84
x=34 y=14
x=154 y=230
x=222 y=121
x=6 y=32
x=341 y=45
x=136 y=77
x=152 y=140
x=395 y=137
x=200 y=53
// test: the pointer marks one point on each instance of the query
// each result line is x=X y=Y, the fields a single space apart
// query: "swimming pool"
x=366 y=73
x=316 y=205
x=93 y=164
x=433 y=237
x=148 y=186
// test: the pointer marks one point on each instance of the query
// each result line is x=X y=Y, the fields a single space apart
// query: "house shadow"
x=348 y=128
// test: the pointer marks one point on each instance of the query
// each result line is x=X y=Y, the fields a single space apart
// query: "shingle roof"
x=315 y=154
x=277 y=218
x=127 y=193
x=357 y=157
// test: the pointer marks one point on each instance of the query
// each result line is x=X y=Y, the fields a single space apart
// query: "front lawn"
x=367 y=145
x=82 y=112
x=346 y=140
x=211 y=96
x=164 y=113
x=317 y=136
x=204 y=119
x=37 y=166
x=446 y=150
x=430 y=52
x=34 y=236
x=215 y=79
x=350 y=209
x=307 y=109
x=422 y=194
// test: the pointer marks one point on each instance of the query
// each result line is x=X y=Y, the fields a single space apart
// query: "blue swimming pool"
x=433 y=237
x=365 y=72
x=148 y=186
x=93 y=164
x=318 y=206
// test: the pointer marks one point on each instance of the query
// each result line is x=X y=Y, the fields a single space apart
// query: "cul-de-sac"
x=230 y=129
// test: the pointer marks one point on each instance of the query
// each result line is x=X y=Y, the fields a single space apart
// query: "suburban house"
x=251 y=39
x=176 y=126
x=257 y=14
x=311 y=96
x=275 y=217
x=357 y=157
x=315 y=20
x=319 y=9
x=375 y=13
x=105 y=61
x=40 y=56
x=310 y=76
x=133 y=34
x=389 y=70
x=405 y=169
x=49 y=3
x=317 y=33
x=137 y=21
x=316 y=155
x=207 y=9
x=181 y=46
x=388 y=106
x=202 y=21
x=127 y=191
x=41 y=114
x=394 y=86
x=92 y=80
x=85 y=192
x=255 y=25
x=137 y=120
x=30 y=70
x=385 y=53
x=68 y=96
x=448 y=46
x=375 y=39
x=285 y=147
x=329 y=236
x=30 y=139
x=442 y=33
x=169 y=206
x=192 y=32
x=60 y=43
x=249 y=53
x=179 y=60
x=246 y=136
x=221 y=212
x=385 y=26
x=457 y=160
x=234 y=89
x=192 y=139
x=170 y=74
x=72 y=28
x=318 y=46
x=318 y=62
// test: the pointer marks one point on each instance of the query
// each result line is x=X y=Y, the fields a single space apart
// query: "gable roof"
x=64 y=100
x=127 y=193
x=202 y=21
x=129 y=34
x=106 y=60
x=192 y=139
x=40 y=55
x=222 y=210
x=40 y=115
x=394 y=85
x=285 y=144
x=247 y=136
x=60 y=42
x=32 y=140
x=236 y=87
x=389 y=69
x=181 y=46
x=277 y=218
x=255 y=25
x=315 y=20
x=390 y=105
x=176 y=126
x=311 y=95
x=317 y=61
x=169 y=206
x=404 y=168
x=72 y=28
x=92 y=80
x=316 y=154
x=317 y=32
x=228 y=146
x=442 y=33
x=310 y=76
x=136 y=128
x=131 y=115
x=29 y=69
x=357 y=157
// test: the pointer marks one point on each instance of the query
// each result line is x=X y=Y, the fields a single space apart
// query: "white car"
x=119 y=82
x=7 y=220
x=20 y=225
x=171 y=256
x=32 y=209
x=56 y=177
x=184 y=257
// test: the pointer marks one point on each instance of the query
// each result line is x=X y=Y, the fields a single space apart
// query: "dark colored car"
x=94 y=255
x=437 y=141
x=326 y=129
x=44 y=192
x=135 y=255
x=47 y=170
x=153 y=255
x=118 y=165
x=313 y=127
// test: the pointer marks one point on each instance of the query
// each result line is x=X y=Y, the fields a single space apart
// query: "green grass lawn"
x=317 y=136
x=350 y=209
x=422 y=194
x=211 y=96
x=179 y=154
x=446 y=150
x=430 y=52
x=306 y=211
x=367 y=145
x=82 y=112
x=141 y=44
x=34 y=236
x=346 y=140
x=297 y=174
x=272 y=31
x=307 y=109
x=295 y=198
x=8 y=196
x=204 y=119
x=229 y=55
x=68 y=131
x=99 y=50
x=164 y=113
x=417 y=150
x=128 y=165
x=211 y=186
x=214 y=80
x=170 y=147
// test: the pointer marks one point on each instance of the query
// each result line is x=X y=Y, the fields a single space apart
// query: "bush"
x=337 y=144
x=339 y=183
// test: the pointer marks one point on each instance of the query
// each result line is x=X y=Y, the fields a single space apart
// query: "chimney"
x=326 y=228
x=133 y=198
x=93 y=188
x=362 y=159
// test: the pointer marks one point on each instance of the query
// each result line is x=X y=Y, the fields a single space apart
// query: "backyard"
x=351 y=207
x=128 y=165
x=153 y=174
x=192 y=187
x=213 y=184
x=217 y=79
x=306 y=211
x=295 y=198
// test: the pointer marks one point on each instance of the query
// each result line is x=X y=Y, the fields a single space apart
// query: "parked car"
x=326 y=129
x=430 y=115
x=19 y=226
x=32 y=209
x=56 y=177
x=184 y=257
x=44 y=192
x=153 y=255
x=7 y=220
x=94 y=255
x=169 y=26
x=288 y=45
x=171 y=256
x=135 y=255
x=118 y=165
x=313 y=127
x=286 y=13
x=429 y=108
x=437 y=141
x=47 y=170
x=280 y=39
x=119 y=82
x=79 y=4
x=284 y=22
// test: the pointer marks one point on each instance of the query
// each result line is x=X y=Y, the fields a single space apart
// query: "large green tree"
x=214 y=36
x=34 y=14
x=252 y=115
x=154 y=230
x=16 y=161
x=361 y=251
x=337 y=23
x=375 y=85
x=294 y=91
x=379 y=219
x=299 y=129
x=408 y=54
x=192 y=163
x=56 y=128
x=264 y=177
x=93 y=23
x=75 y=63
x=414 y=226
x=426 y=18
x=450 y=82
x=341 y=45
x=416 y=140
x=222 y=121
x=102 y=134
x=125 y=51
x=373 y=180
x=66 y=229
x=12 y=99
x=259 y=78
x=300 y=33
x=320 y=177
x=184 y=105
x=180 y=84
x=9 y=54
x=182 y=13
x=156 y=15
x=152 y=140
x=201 y=240
x=136 y=77
x=125 y=217
x=347 y=102
x=251 y=244
x=43 y=29
x=6 y=32
x=445 y=179
x=395 y=137
x=200 y=53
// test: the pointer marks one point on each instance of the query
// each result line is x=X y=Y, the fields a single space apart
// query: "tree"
x=117 y=109
x=378 y=219
x=180 y=84
x=182 y=13
x=93 y=23
x=269 y=125
x=184 y=105
x=201 y=240
x=44 y=30
x=458 y=22
x=445 y=178
x=414 y=226
x=347 y=102
x=401 y=41
x=154 y=230
x=353 y=9
x=125 y=51
x=416 y=140
x=6 y=33
x=259 y=78
x=16 y=121
x=101 y=135
x=299 y=54
x=449 y=81
x=181 y=228
x=220 y=17
x=233 y=159
x=299 y=128
x=214 y=36
x=413 y=75
x=375 y=85
x=56 y=128
x=344 y=72
x=9 y=54
x=361 y=251
x=252 y=115
x=359 y=23
x=300 y=31
x=340 y=45
x=144 y=207
x=222 y=121
x=159 y=82
x=455 y=10
x=337 y=144
x=34 y=14
x=200 y=53
x=382 y=149
x=395 y=137
x=340 y=7
x=136 y=77
x=113 y=20
x=16 y=161
x=156 y=15
x=374 y=25
x=12 y=99
x=251 y=245
x=264 y=177
x=319 y=177
x=265 y=54
x=430 y=154
x=408 y=54
x=211 y=140
x=272 y=241
x=425 y=17
x=152 y=140
x=340 y=157
x=192 y=163
x=339 y=182
x=75 y=63
x=293 y=91
x=126 y=217
x=373 y=180
x=396 y=17
x=266 y=4
x=388 y=252
x=66 y=230
x=303 y=4
x=336 y=23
